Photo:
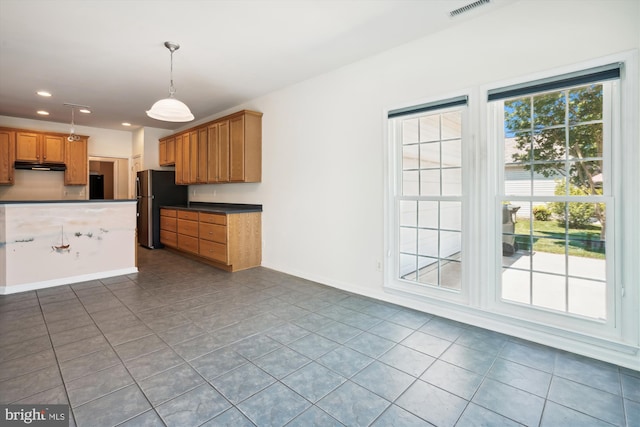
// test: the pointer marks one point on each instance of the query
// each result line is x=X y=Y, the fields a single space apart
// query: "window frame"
x=622 y=324
x=539 y=313
x=393 y=196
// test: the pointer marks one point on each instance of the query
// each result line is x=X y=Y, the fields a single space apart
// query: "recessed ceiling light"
x=85 y=110
x=44 y=93
x=126 y=124
x=43 y=113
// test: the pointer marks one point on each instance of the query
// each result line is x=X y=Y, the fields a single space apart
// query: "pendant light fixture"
x=72 y=133
x=170 y=109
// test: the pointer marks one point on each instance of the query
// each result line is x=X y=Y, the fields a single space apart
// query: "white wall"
x=151 y=154
x=137 y=142
x=323 y=141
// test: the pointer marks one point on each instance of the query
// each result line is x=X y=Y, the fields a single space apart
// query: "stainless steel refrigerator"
x=155 y=189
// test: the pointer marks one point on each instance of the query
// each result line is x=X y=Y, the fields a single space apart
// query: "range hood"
x=40 y=166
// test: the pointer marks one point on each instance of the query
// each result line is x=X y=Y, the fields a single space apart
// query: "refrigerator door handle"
x=138 y=189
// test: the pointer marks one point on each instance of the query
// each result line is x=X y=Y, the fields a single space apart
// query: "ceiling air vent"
x=463 y=9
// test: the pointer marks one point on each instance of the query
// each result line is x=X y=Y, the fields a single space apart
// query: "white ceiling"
x=110 y=54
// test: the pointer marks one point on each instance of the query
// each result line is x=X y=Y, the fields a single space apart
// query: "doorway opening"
x=108 y=178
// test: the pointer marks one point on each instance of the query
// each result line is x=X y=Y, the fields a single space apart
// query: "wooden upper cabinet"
x=167 y=151
x=186 y=158
x=40 y=148
x=28 y=147
x=193 y=157
x=184 y=174
x=162 y=152
x=179 y=165
x=224 y=150
x=53 y=148
x=77 y=162
x=44 y=147
x=7 y=156
x=212 y=153
x=245 y=147
x=171 y=151
x=202 y=156
x=218 y=152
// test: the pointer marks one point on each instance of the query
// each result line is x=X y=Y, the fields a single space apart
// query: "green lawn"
x=549 y=236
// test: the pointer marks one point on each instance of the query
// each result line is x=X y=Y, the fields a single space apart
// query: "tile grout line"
x=123 y=365
x=55 y=355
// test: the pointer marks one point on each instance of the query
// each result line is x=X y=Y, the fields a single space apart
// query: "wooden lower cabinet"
x=169 y=227
x=187 y=228
x=214 y=251
x=244 y=234
x=187 y=243
x=169 y=238
x=213 y=237
x=229 y=241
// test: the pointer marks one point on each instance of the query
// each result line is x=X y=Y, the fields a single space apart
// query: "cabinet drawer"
x=168 y=212
x=214 y=251
x=213 y=232
x=168 y=238
x=190 y=215
x=213 y=218
x=189 y=228
x=168 y=223
x=188 y=243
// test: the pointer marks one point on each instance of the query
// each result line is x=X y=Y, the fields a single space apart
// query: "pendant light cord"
x=172 y=90
x=72 y=134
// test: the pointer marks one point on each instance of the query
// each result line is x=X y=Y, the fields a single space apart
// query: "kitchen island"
x=51 y=243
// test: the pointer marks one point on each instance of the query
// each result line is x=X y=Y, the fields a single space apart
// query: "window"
x=428 y=140
x=519 y=212
x=556 y=205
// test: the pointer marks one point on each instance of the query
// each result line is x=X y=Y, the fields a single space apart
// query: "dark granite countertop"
x=24 y=202
x=225 y=208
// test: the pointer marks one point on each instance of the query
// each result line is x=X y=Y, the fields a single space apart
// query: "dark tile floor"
x=183 y=344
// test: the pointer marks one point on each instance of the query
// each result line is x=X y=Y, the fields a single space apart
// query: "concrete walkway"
x=584 y=293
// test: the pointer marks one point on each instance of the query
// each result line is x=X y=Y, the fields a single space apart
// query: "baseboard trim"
x=24 y=287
